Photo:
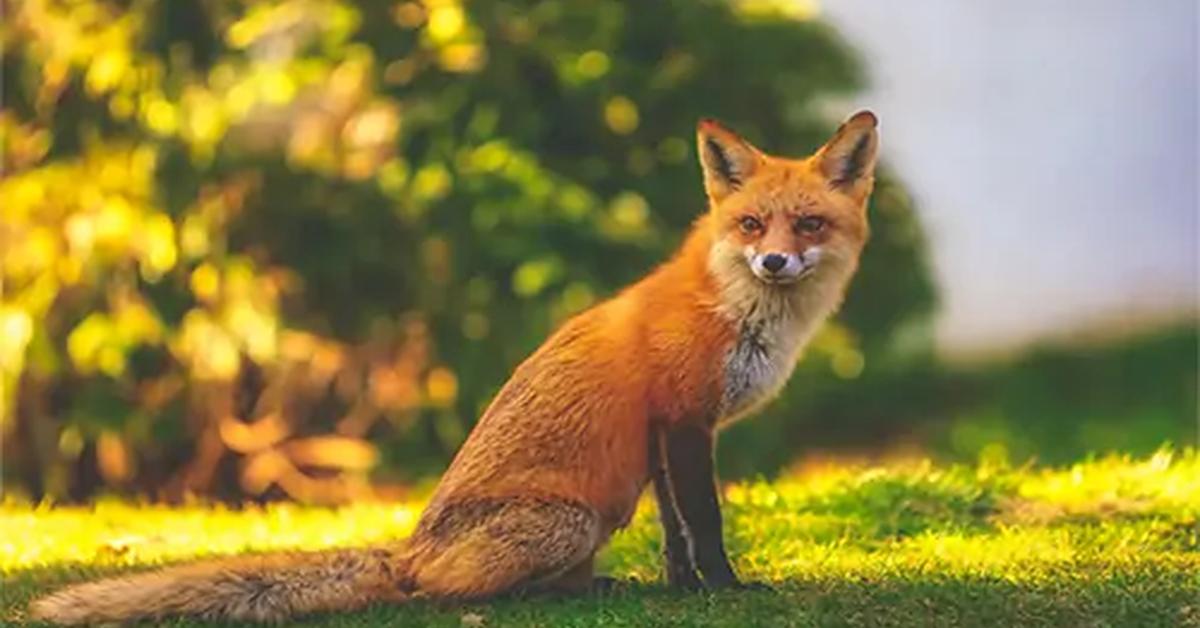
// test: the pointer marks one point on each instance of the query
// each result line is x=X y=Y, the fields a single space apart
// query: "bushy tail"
x=264 y=588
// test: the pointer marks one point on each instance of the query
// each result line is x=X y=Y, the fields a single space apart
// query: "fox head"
x=784 y=223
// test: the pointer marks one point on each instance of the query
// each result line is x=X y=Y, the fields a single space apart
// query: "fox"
x=626 y=394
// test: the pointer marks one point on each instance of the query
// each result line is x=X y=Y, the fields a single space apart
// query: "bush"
x=270 y=248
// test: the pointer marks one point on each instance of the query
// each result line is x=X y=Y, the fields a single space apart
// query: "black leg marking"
x=692 y=487
x=681 y=570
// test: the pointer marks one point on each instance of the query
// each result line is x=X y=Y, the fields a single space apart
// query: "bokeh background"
x=289 y=249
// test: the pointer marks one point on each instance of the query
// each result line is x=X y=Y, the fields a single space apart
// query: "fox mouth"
x=785 y=279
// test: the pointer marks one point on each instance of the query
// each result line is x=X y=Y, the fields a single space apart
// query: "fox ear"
x=847 y=160
x=727 y=160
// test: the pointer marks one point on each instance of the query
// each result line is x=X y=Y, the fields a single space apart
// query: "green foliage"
x=230 y=229
x=1059 y=403
x=1053 y=404
x=1105 y=542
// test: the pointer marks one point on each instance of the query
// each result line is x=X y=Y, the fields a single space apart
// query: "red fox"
x=625 y=394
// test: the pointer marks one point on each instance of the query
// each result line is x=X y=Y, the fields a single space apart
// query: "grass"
x=1108 y=542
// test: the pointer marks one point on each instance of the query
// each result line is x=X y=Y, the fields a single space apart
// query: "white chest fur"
x=772 y=332
x=759 y=363
x=773 y=323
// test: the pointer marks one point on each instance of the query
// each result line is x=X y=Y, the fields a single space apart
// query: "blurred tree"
x=252 y=248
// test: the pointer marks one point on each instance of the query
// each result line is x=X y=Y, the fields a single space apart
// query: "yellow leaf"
x=335 y=452
x=445 y=22
x=87 y=339
x=16 y=329
x=107 y=70
x=621 y=115
x=161 y=116
x=158 y=252
x=441 y=386
x=592 y=64
x=205 y=282
x=245 y=437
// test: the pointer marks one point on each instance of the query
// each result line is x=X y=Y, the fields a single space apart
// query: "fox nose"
x=773 y=262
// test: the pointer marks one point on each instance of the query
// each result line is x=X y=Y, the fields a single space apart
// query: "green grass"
x=1110 y=542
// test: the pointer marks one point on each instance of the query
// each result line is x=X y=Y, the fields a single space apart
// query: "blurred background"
x=291 y=248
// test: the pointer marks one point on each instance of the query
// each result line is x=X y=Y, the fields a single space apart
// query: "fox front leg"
x=685 y=486
x=677 y=554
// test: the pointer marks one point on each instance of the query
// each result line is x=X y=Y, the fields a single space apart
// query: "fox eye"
x=750 y=224
x=811 y=224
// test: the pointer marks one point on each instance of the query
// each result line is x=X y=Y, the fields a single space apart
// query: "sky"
x=1052 y=148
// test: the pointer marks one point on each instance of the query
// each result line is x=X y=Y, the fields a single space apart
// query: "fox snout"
x=782 y=267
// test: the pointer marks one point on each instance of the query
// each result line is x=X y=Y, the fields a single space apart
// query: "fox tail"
x=263 y=588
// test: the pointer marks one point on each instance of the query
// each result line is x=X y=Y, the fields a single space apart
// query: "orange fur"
x=558 y=460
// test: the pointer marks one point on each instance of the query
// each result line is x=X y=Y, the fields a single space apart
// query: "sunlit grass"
x=115 y=533
x=1109 y=541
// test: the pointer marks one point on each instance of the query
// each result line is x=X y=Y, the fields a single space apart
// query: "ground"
x=1108 y=542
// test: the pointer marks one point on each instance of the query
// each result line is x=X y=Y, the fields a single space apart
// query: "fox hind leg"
x=478 y=548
